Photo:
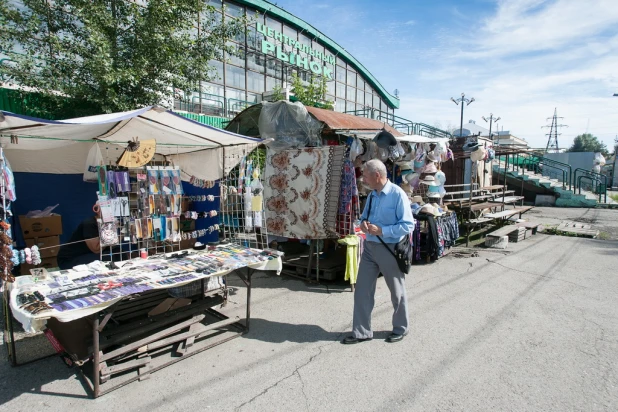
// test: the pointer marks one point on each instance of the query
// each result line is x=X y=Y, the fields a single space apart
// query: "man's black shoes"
x=350 y=340
x=393 y=337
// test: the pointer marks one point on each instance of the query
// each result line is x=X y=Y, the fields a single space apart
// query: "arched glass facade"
x=274 y=47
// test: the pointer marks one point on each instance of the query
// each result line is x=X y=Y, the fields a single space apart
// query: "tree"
x=588 y=143
x=114 y=55
x=311 y=94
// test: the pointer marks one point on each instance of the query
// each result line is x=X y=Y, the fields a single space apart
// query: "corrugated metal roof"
x=336 y=121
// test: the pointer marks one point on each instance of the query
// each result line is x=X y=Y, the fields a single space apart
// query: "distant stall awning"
x=347 y=123
x=414 y=138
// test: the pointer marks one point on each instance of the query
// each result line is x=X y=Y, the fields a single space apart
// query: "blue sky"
x=519 y=59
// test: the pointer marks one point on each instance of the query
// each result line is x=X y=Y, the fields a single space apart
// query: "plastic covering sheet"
x=289 y=124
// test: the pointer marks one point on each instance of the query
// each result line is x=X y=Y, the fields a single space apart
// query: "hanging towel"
x=351 y=257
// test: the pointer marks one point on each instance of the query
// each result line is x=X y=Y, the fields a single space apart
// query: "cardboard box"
x=36 y=227
x=187 y=244
x=48 y=246
x=187 y=225
x=47 y=263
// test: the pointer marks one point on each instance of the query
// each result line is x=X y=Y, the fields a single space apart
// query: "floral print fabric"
x=302 y=190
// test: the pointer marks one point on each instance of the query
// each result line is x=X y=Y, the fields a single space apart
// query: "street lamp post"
x=462 y=100
x=491 y=120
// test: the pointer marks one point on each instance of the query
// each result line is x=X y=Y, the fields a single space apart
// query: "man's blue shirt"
x=390 y=210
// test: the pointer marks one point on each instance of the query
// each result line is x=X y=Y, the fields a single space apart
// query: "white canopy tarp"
x=414 y=138
x=61 y=147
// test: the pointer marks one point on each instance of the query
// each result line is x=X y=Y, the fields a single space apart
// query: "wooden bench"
x=530 y=225
x=493 y=188
x=508 y=213
x=503 y=231
x=507 y=199
x=466 y=200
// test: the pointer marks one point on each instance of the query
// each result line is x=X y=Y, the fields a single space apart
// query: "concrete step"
x=563 y=202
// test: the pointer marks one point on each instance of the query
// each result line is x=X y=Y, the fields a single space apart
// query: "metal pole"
x=249 y=274
x=96 y=367
x=461 y=121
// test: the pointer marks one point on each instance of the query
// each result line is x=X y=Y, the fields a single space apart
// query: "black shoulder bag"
x=404 y=251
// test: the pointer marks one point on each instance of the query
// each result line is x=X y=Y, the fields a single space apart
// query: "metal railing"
x=401 y=124
x=214 y=105
x=538 y=165
x=599 y=182
x=572 y=178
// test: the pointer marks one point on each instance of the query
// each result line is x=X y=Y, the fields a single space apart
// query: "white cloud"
x=524 y=60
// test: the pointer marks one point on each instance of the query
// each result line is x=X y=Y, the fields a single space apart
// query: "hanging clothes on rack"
x=417 y=240
x=449 y=229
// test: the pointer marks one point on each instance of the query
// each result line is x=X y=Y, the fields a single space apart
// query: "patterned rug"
x=302 y=190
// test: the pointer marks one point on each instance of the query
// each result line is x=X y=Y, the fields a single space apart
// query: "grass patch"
x=553 y=230
x=614 y=197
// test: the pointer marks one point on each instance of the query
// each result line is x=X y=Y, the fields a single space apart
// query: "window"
x=216 y=75
x=330 y=87
x=340 y=74
x=238 y=57
x=271 y=83
x=340 y=88
x=256 y=61
x=290 y=32
x=273 y=24
x=368 y=98
x=234 y=10
x=304 y=40
x=351 y=93
x=340 y=105
x=254 y=38
x=305 y=76
x=214 y=89
x=234 y=76
x=255 y=82
x=214 y=3
x=235 y=94
x=350 y=106
x=254 y=98
x=360 y=96
x=274 y=67
x=341 y=62
x=351 y=78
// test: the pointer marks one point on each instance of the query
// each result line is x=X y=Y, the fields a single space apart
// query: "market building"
x=277 y=45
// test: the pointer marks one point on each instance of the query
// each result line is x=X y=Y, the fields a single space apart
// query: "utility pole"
x=462 y=100
x=552 y=141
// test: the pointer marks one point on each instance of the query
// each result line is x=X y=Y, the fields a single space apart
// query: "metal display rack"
x=242 y=218
x=129 y=244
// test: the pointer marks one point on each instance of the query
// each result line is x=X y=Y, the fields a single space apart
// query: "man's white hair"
x=376 y=166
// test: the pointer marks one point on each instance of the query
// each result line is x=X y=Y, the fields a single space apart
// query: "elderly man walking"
x=388 y=215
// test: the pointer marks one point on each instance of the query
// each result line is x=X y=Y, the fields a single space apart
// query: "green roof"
x=271 y=9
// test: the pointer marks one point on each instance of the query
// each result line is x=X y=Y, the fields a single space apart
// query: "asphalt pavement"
x=531 y=328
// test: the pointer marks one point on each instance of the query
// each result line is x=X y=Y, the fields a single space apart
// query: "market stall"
x=312 y=189
x=146 y=291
